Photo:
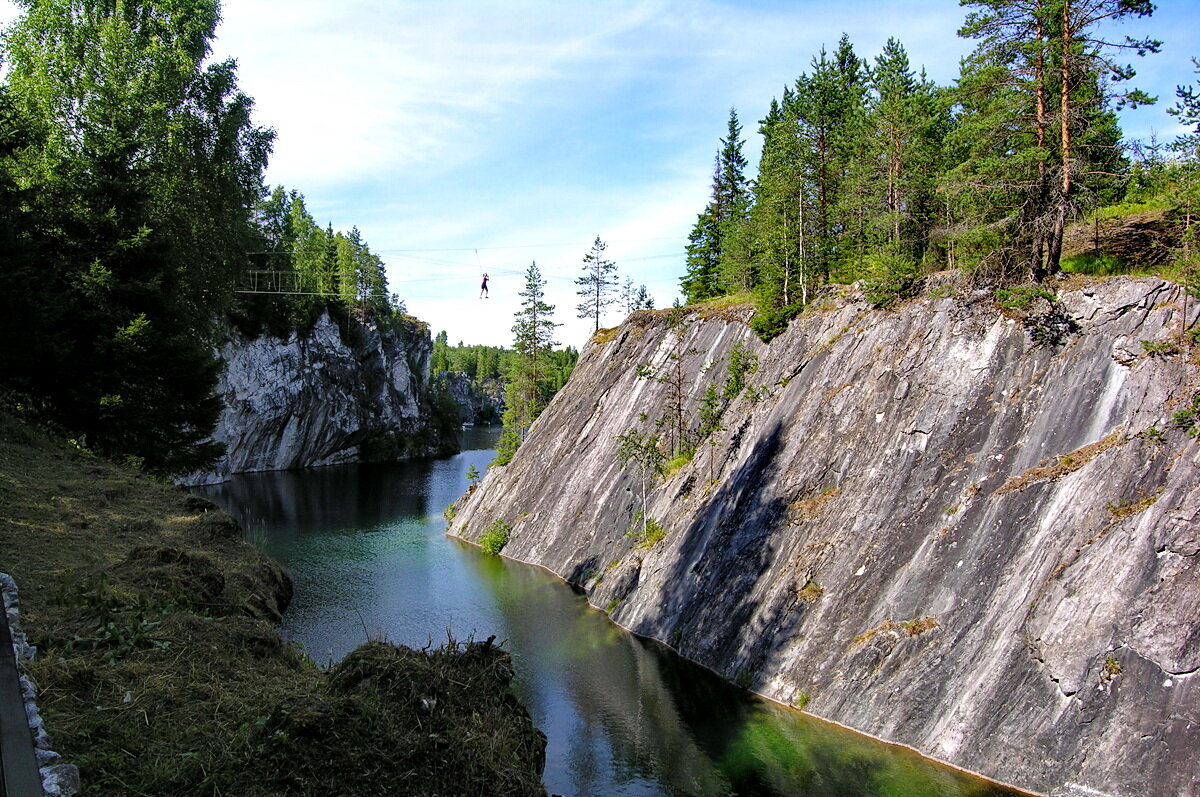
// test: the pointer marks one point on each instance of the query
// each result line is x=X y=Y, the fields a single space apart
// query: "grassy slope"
x=160 y=670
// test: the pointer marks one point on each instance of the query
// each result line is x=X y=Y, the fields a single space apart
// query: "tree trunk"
x=1037 y=266
x=1064 y=125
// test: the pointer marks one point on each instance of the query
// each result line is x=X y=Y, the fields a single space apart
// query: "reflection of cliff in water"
x=360 y=497
x=677 y=725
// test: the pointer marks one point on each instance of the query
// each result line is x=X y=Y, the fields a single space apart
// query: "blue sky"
x=464 y=136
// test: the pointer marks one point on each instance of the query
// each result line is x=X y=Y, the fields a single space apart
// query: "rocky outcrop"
x=480 y=401
x=333 y=394
x=970 y=531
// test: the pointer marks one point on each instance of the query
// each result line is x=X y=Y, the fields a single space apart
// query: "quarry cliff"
x=966 y=525
x=334 y=393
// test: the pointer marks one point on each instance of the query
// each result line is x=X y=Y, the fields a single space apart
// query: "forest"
x=134 y=226
x=870 y=171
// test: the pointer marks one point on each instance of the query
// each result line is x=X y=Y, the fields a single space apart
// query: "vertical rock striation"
x=968 y=531
x=327 y=396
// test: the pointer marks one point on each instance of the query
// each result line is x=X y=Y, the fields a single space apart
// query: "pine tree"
x=529 y=374
x=1041 y=65
x=597 y=284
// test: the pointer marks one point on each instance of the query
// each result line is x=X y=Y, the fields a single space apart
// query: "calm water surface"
x=622 y=716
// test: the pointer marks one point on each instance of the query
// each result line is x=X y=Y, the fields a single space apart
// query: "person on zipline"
x=483 y=289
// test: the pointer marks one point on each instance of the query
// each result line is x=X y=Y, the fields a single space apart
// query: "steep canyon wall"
x=328 y=395
x=964 y=530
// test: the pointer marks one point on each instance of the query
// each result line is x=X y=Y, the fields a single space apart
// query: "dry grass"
x=913 y=627
x=160 y=670
x=808 y=508
x=1050 y=470
x=1126 y=509
x=810 y=592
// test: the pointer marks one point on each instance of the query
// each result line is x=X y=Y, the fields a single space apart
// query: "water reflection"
x=622 y=716
x=653 y=723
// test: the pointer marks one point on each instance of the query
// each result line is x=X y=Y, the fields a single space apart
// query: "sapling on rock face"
x=642 y=450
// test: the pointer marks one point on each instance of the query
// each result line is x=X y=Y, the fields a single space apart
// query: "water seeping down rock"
x=967 y=530
x=354 y=392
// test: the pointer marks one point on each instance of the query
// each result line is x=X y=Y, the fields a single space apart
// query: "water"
x=622 y=716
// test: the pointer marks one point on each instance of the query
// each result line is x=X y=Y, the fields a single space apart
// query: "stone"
x=321 y=397
x=944 y=531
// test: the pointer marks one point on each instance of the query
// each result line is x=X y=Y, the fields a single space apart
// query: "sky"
x=471 y=136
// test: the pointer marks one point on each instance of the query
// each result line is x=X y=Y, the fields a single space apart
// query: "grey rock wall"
x=922 y=524
x=480 y=401
x=322 y=397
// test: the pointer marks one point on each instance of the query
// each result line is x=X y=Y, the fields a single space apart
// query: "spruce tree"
x=728 y=207
x=137 y=198
x=529 y=376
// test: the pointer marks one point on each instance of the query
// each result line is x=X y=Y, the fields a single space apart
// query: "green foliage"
x=742 y=363
x=889 y=278
x=769 y=323
x=114 y=624
x=495 y=537
x=472 y=474
x=507 y=446
x=646 y=531
x=1188 y=418
x=597 y=284
x=1022 y=296
x=727 y=208
x=1159 y=348
x=860 y=158
x=676 y=463
x=533 y=377
x=127 y=169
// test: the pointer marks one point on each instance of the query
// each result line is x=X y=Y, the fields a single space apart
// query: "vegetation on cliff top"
x=870 y=171
x=159 y=670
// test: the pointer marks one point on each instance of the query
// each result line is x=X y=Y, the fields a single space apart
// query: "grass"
x=1020 y=297
x=1051 y=470
x=160 y=669
x=1094 y=265
x=1131 y=208
x=808 y=508
x=1124 y=509
x=810 y=592
x=676 y=463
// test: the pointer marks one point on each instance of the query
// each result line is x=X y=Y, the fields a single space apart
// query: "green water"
x=622 y=716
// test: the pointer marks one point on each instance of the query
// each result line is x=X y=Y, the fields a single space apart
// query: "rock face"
x=479 y=401
x=325 y=397
x=923 y=524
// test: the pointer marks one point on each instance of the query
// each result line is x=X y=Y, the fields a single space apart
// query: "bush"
x=769 y=323
x=495 y=537
x=889 y=277
x=1020 y=297
x=646 y=530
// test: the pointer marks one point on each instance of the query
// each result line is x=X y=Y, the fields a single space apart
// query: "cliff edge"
x=968 y=528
